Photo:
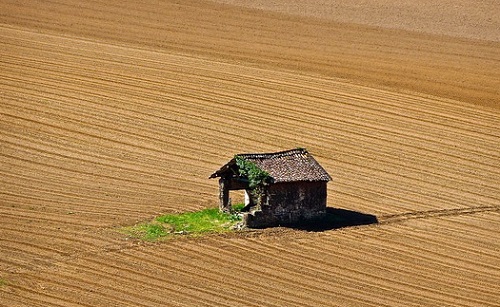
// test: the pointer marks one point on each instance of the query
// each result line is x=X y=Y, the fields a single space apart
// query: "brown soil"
x=112 y=113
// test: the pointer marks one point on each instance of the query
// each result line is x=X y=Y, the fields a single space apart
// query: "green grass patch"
x=3 y=282
x=189 y=223
x=238 y=207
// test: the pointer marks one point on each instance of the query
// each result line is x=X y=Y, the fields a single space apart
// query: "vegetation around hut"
x=189 y=223
x=256 y=176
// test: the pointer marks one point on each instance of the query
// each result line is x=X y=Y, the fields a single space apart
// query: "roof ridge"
x=283 y=153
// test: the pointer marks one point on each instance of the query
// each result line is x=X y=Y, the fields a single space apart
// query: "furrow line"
x=168 y=136
x=88 y=172
x=49 y=143
x=411 y=277
x=129 y=209
x=310 y=291
x=339 y=272
x=469 y=246
x=413 y=274
x=390 y=249
x=180 y=140
x=31 y=170
x=62 y=186
x=481 y=225
x=75 y=242
x=41 y=298
x=351 y=104
x=38 y=250
x=388 y=181
x=78 y=127
x=349 y=274
x=70 y=282
x=125 y=285
x=187 y=269
x=429 y=255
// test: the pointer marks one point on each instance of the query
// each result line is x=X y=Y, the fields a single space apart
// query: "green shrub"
x=256 y=176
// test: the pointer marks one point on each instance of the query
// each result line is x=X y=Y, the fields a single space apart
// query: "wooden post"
x=224 y=195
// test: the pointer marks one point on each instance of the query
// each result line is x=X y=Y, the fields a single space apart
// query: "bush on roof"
x=257 y=177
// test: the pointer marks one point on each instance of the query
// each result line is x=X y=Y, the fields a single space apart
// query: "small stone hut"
x=292 y=187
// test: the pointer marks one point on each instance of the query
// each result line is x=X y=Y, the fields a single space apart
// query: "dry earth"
x=112 y=113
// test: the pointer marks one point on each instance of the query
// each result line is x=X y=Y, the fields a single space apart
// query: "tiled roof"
x=284 y=166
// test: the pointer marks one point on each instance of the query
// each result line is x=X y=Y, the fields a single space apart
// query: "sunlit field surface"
x=115 y=112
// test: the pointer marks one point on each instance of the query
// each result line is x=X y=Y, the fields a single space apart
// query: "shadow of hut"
x=336 y=218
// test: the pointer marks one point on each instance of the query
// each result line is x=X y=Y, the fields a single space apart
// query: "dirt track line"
x=396 y=218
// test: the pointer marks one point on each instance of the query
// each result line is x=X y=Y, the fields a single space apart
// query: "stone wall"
x=289 y=203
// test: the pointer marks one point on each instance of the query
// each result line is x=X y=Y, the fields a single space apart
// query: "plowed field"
x=114 y=112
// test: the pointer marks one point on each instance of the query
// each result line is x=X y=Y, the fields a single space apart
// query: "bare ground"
x=114 y=113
